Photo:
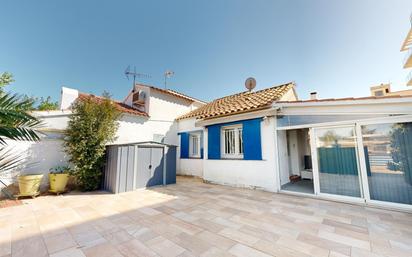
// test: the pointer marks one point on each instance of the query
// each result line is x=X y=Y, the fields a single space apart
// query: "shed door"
x=149 y=167
x=156 y=167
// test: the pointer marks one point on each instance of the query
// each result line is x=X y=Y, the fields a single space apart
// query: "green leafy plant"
x=5 y=79
x=60 y=170
x=92 y=125
x=46 y=104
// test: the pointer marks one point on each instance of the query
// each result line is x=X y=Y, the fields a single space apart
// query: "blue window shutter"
x=184 y=145
x=252 y=146
x=213 y=142
x=201 y=145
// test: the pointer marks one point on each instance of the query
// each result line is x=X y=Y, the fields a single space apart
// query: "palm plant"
x=15 y=124
x=15 y=121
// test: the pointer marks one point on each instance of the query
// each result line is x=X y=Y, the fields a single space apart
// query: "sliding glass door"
x=388 y=158
x=364 y=161
x=337 y=161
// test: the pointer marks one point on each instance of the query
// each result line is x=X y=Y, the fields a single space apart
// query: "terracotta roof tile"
x=122 y=107
x=239 y=103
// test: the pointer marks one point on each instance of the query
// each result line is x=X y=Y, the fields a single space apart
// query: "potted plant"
x=29 y=185
x=58 y=178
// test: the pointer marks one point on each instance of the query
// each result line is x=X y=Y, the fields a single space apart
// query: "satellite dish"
x=250 y=84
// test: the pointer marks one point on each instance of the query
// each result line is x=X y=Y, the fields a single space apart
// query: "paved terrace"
x=196 y=219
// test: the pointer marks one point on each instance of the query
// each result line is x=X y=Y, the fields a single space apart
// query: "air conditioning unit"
x=139 y=97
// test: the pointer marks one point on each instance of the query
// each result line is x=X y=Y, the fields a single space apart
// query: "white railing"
x=409 y=79
x=408 y=56
x=410 y=19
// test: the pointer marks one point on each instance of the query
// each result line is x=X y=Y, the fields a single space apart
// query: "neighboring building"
x=349 y=149
x=148 y=114
x=385 y=90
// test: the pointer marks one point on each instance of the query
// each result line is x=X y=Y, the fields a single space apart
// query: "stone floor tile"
x=239 y=236
x=194 y=244
x=325 y=243
x=31 y=246
x=192 y=218
x=350 y=241
x=216 y=240
x=302 y=247
x=135 y=248
x=118 y=237
x=59 y=242
x=240 y=250
x=274 y=249
x=336 y=254
x=164 y=247
x=71 y=252
x=356 y=252
x=216 y=252
x=102 y=250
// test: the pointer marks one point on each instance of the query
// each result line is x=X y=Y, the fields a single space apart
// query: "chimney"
x=313 y=95
x=67 y=98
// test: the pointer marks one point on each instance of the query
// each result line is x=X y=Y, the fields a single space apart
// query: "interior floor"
x=301 y=186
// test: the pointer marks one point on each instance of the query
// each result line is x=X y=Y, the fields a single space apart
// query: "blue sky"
x=337 y=48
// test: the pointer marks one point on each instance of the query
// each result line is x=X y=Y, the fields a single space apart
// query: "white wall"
x=192 y=167
x=247 y=173
x=167 y=107
x=283 y=160
x=140 y=129
x=37 y=157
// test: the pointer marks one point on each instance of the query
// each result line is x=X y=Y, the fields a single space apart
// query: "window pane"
x=194 y=138
x=338 y=161
x=240 y=141
x=230 y=147
x=194 y=145
x=388 y=156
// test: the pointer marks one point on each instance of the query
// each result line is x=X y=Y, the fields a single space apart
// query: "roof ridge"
x=172 y=92
x=258 y=91
x=240 y=102
x=121 y=106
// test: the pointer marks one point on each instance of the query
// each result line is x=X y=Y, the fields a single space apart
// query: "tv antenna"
x=168 y=74
x=135 y=74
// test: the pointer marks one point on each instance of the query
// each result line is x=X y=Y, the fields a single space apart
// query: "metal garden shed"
x=139 y=165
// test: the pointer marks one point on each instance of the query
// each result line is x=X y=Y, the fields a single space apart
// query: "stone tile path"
x=196 y=219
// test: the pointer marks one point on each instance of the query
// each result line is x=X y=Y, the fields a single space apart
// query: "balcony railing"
x=410 y=19
x=407 y=63
x=409 y=79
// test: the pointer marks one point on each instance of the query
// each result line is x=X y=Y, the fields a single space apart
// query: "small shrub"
x=92 y=125
x=60 y=170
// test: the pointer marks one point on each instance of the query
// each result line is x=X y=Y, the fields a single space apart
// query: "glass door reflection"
x=338 y=161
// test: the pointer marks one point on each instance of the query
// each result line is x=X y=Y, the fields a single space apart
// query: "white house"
x=356 y=150
x=350 y=149
x=148 y=114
